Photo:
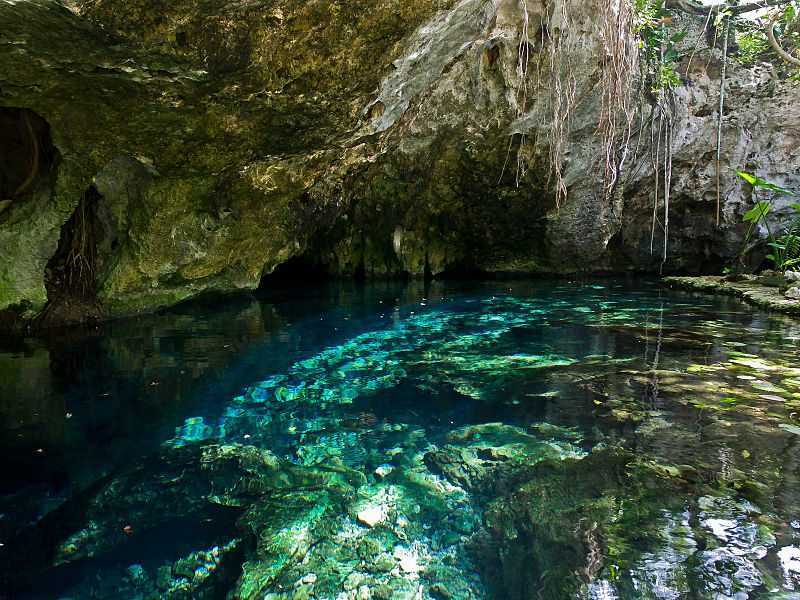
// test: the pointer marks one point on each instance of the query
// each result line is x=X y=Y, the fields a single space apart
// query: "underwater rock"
x=197 y=484
x=565 y=516
x=789 y=557
x=646 y=459
x=383 y=471
x=483 y=458
x=371 y=516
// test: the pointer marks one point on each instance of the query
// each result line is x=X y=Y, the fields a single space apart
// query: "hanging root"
x=667 y=183
x=661 y=138
x=662 y=167
x=621 y=53
x=655 y=144
x=523 y=62
x=563 y=91
x=561 y=84
x=721 y=112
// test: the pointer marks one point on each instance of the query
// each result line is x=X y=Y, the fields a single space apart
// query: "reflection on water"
x=519 y=439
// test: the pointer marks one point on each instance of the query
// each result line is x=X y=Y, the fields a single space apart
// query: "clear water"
x=526 y=439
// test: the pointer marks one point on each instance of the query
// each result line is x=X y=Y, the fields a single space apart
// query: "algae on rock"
x=375 y=143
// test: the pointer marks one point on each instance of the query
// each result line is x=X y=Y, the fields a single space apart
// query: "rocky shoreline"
x=765 y=292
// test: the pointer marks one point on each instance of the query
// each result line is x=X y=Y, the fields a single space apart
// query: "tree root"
x=776 y=45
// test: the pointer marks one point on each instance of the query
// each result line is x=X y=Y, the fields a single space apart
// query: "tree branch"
x=691 y=6
x=746 y=8
x=776 y=45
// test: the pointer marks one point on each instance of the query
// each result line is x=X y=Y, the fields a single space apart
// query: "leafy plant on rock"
x=785 y=252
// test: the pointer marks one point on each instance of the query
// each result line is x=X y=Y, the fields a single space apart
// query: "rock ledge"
x=749 y=289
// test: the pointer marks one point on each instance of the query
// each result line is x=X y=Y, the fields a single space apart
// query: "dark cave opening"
x=27 y=153
x=71 y=273
x=298 y=270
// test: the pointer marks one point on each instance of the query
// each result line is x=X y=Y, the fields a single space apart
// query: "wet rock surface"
x=755 y=290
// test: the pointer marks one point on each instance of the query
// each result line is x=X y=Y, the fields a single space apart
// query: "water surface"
x=524 y=439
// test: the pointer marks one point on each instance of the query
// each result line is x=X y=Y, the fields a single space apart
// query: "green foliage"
x=758 y=213
x=786 y=247
x=790 y=23
x=759 y=183
x=785 y=252
x=668 y=77
x=790 y=30
x=658 y=44
x=648 y=11
x=753 y=45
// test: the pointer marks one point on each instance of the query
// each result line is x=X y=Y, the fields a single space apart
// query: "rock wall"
x=223 y=139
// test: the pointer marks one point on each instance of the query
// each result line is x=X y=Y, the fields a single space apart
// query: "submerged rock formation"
x=544 y=441
x=151 y=153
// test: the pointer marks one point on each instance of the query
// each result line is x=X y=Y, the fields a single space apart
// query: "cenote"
x=507 y=439
x=399 y=299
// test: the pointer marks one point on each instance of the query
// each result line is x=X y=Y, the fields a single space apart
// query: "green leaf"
x=758 y=212
x=758 y=182
x=790 y=428
x=679 y=37
x=776 y=188
x=751 y=179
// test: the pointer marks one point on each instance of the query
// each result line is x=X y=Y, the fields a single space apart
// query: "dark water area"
x=507 y=439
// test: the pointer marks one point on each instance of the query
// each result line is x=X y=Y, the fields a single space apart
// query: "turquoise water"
x=524 y=439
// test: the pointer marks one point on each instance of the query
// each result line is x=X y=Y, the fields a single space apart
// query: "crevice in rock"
x=71 y=274
x=360 y=272
x=461 y=270
x=376 y=110
x=27 y=154
x=427 y=274
x=491 y=54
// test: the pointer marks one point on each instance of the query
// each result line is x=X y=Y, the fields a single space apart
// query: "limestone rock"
x=221 y=142
x=371 y=516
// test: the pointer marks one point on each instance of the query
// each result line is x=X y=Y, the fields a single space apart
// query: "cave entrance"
x=27 y=154
x=71 y=273
x=298 y=270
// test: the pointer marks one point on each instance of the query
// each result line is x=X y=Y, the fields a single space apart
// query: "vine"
x=556 y=81
x=563 y=90
x=637 y=46
x=659 y=62
x=727 y=27
x=618 y=35
x=773 y=41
